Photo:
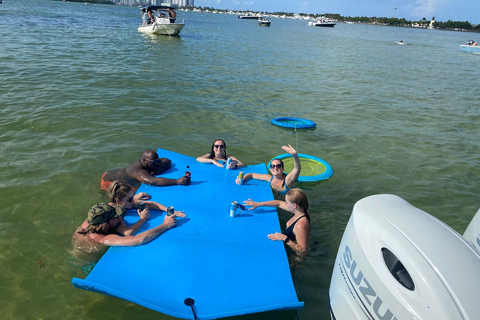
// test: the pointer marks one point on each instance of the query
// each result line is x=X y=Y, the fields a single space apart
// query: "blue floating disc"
x=294 y=123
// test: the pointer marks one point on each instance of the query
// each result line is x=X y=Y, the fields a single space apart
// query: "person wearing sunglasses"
x=104 y=226
x=297 y=229
x=141 y=171
x=279 y=181
x=218 y=156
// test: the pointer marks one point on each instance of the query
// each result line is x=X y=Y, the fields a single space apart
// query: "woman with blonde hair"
x=297 y=230
x=104 y=226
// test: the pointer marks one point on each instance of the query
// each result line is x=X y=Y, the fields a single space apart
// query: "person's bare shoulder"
x=136 y=170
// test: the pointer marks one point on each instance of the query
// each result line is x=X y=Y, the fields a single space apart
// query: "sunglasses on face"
x=277 y=166
x=221 y=146
x=129 y=199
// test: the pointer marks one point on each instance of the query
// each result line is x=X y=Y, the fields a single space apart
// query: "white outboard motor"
x=472 y=233
x=397 y=262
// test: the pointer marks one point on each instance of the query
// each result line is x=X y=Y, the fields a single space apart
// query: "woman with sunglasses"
x=279 y=181
x=297 y=230
x=105 y=227
x=219 y=155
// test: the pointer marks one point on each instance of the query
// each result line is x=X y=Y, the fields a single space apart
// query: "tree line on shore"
x=399 y=22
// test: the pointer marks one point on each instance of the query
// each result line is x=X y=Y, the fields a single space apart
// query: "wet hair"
x=102 y=228
x=118 y=191
x=99 y=228
x=212 y=153
x=299 y=197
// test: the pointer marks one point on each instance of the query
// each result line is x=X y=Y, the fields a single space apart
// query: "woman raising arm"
x=279 y=181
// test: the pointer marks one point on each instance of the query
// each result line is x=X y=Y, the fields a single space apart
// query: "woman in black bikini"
x=298 y=227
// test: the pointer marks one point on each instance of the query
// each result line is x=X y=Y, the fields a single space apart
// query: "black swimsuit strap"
x=297 y=219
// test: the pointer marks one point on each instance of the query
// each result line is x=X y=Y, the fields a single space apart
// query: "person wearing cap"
x=104 y=226
x=141 y=171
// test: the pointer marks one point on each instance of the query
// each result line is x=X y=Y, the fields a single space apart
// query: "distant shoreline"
x=383 y=21
x=464 y=26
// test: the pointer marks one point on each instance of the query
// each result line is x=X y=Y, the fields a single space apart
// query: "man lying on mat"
x=141 y=171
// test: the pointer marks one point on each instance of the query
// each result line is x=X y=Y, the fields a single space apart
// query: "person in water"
x=297 y=229
x=219 y=155
x=104 y=226
x=279 y=181
x=141 y=171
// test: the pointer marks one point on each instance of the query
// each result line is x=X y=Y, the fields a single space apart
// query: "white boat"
x=400 y=42
x=396 y=261
x=322 y=22
x=264 y=22
x=159 y=20
x=471 y=46
x=250 y=16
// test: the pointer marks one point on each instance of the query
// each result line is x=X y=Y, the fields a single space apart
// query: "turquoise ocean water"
x=81 y=91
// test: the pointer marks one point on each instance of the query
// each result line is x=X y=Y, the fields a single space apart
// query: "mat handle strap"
x=190 y=302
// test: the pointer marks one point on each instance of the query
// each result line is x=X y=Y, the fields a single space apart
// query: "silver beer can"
x=233 y=209
x=170 y=210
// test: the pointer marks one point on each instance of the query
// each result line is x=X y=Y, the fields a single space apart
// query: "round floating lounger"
x=313 y=168
x=294 y=123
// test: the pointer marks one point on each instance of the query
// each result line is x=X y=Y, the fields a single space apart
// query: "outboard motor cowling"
x=472 y=233
x=398 y=262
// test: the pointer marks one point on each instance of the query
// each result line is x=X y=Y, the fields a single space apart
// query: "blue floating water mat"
x=227 y=265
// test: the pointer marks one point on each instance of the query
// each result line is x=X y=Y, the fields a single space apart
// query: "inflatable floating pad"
x=294 y=123
x=227 y=265
x=313 y=168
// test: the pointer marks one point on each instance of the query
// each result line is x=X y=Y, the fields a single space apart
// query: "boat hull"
x=172 y=29
x=322 y=24
x=249 y=17
x=327 y=25
x=472 y=49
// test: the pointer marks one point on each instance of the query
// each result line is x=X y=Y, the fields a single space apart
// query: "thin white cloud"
x=424 y=8
x=304 y=6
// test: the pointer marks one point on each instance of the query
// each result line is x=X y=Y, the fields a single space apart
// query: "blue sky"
x=442 y=10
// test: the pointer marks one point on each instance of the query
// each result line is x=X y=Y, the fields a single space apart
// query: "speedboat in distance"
x=322 y=22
